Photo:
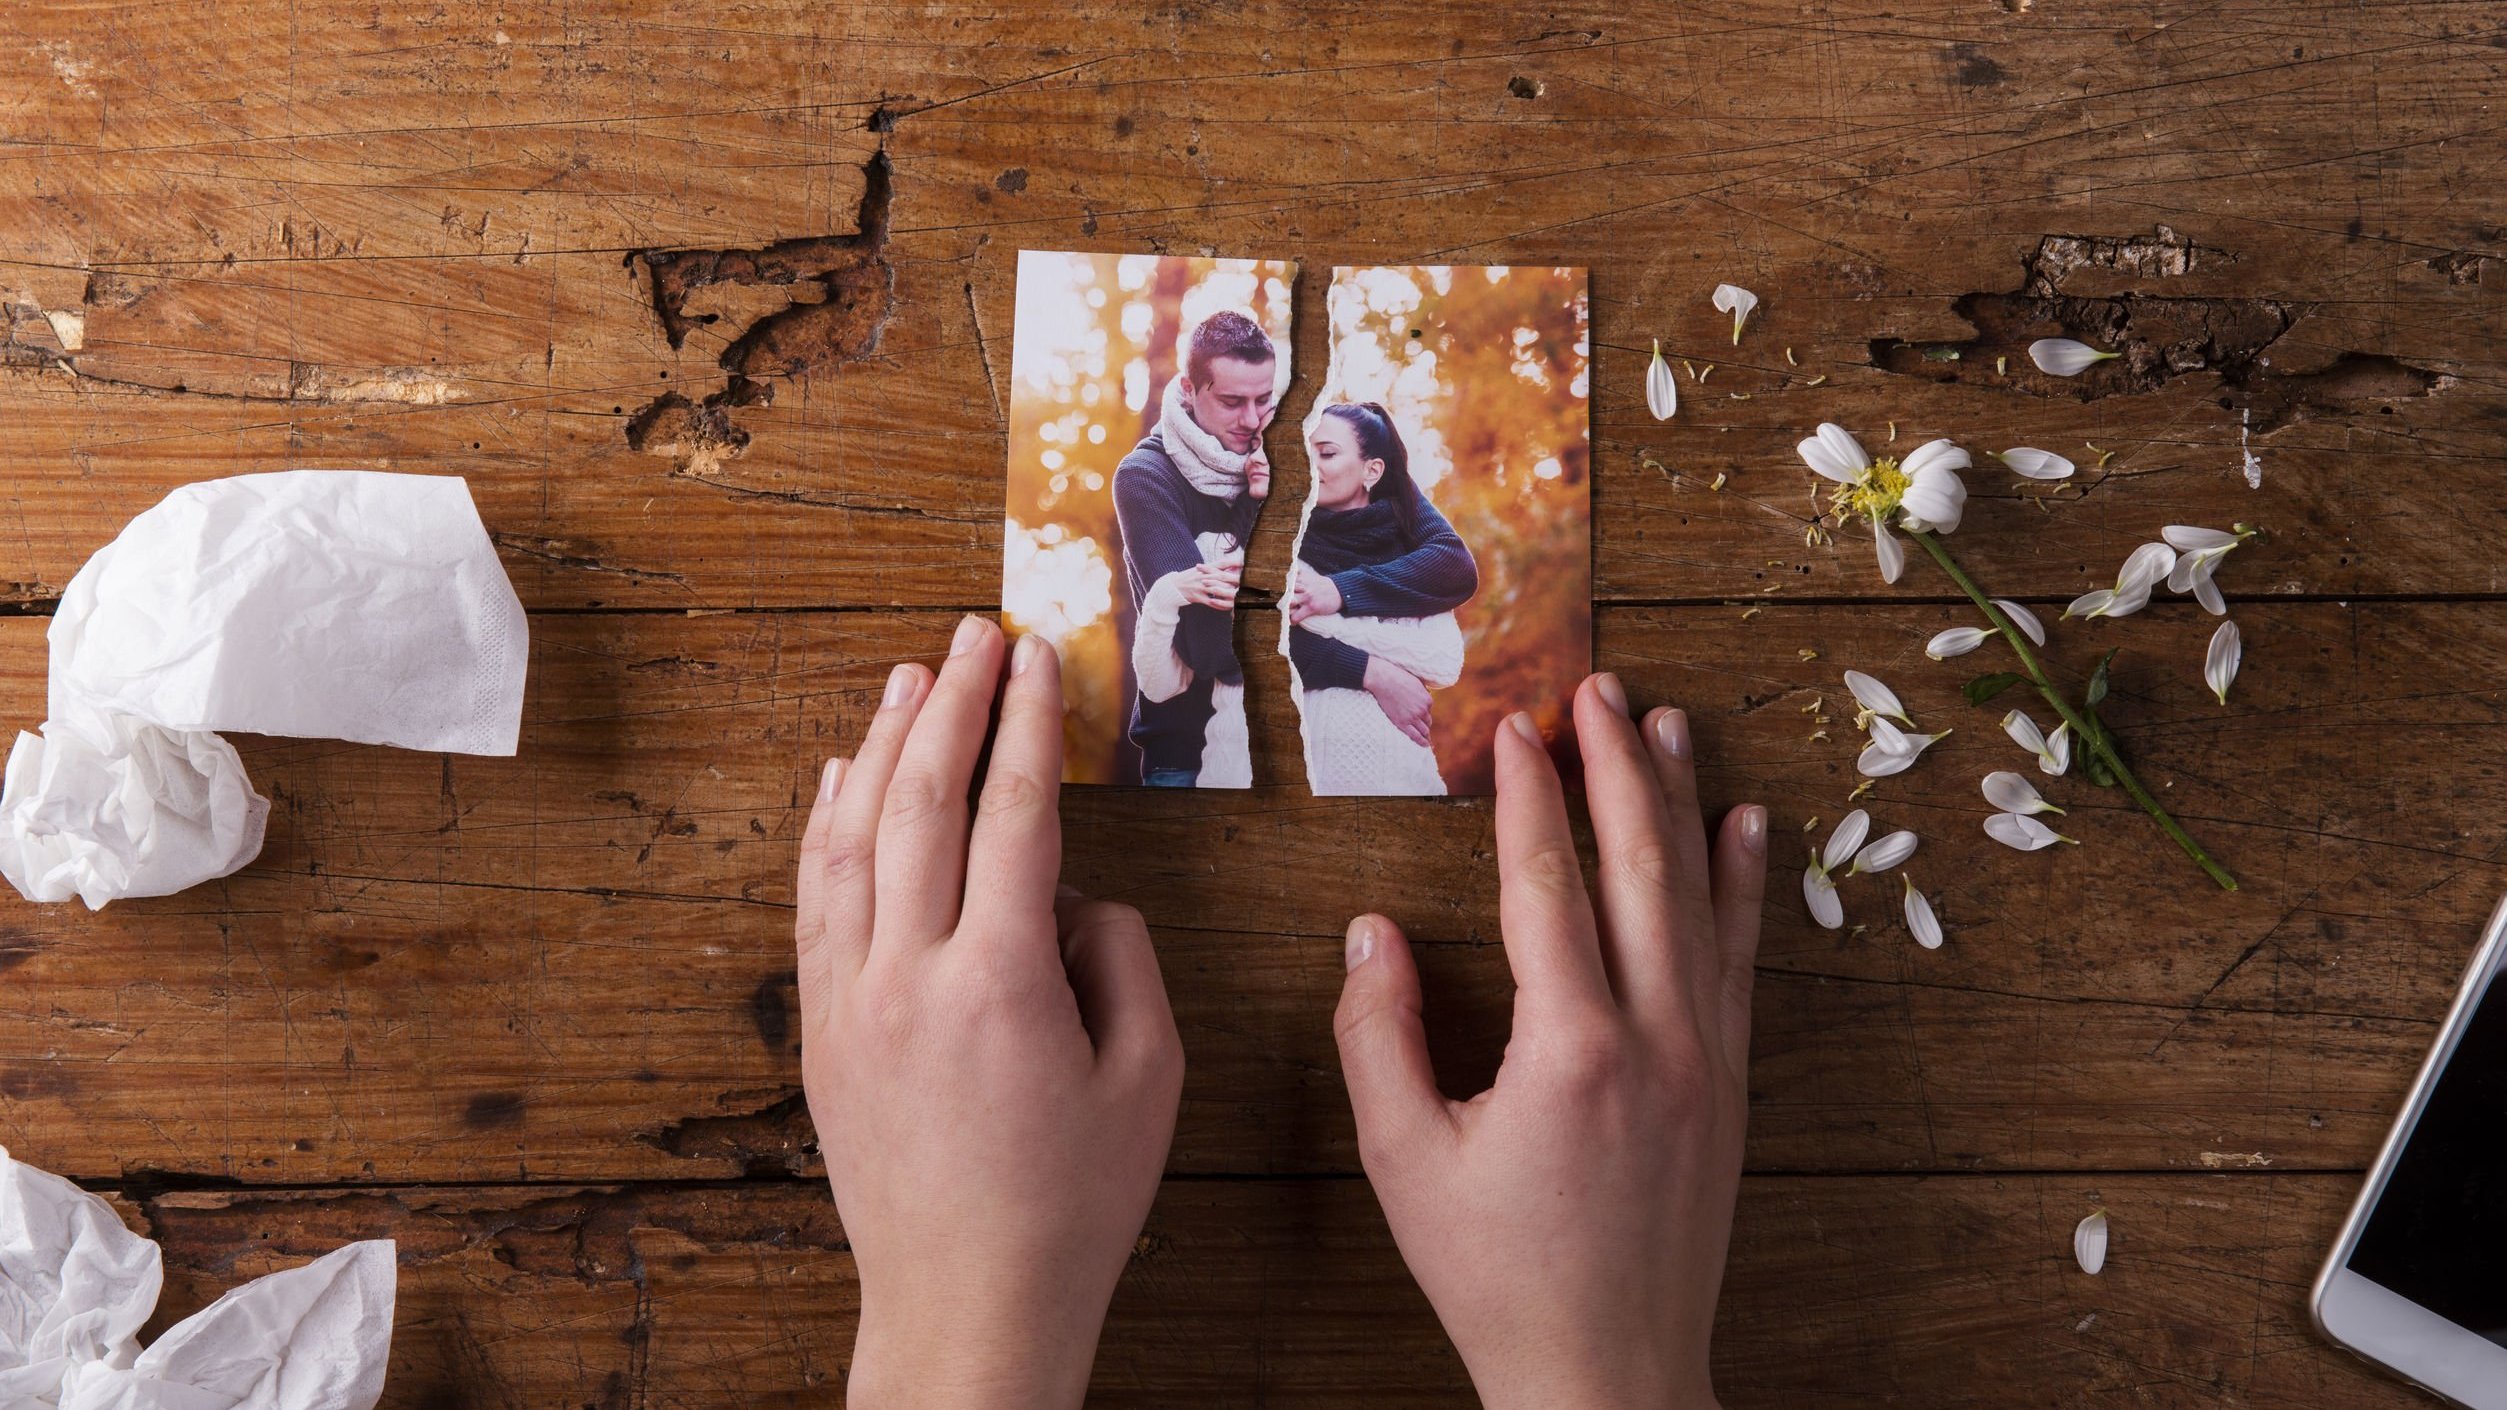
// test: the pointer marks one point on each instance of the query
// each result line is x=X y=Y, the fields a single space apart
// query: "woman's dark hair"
x=1378 y=440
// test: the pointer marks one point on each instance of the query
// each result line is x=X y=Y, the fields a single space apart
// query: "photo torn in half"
x=1443 y=574
x=1140 y=387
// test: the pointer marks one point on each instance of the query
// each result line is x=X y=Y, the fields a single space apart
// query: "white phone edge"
x=2375 y=1324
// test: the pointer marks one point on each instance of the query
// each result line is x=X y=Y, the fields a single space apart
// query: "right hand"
x=1212 y=584
x=1403 y=698
x=1569 y=1224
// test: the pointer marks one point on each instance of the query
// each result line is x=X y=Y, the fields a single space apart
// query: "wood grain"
x=533 y=1016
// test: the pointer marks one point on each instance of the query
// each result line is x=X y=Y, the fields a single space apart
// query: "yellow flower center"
x=1874 y=495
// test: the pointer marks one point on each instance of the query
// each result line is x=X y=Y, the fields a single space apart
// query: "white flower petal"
x=1942 y=454
x=1878 y=760
x=1892 y=553
x=2065 y=357
x=2145 y=568
x=1920 y=921
x=1884 y=854
x=2207 y=593
x=1846 y=840
x=1842 y=447
x=1820 y=895
x=1958 y=641
x=2024 y=732
x=2037 y=464
x=2090 y=604
x=2127 y=601
x=2089 y=1242
x=2219 y=664
x=2023 y=619
x=1662 y=390
x=2058 y=756
x=2013 y=793
x=1935 y=500
x=2186 y=538
x=1877 y=698
x=1737 y=301
x=2021 y=831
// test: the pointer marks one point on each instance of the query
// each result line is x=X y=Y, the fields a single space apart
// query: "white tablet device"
x=2418 y=1281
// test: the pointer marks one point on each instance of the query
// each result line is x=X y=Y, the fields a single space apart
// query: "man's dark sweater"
x=1436 y=575
x=1160 y=514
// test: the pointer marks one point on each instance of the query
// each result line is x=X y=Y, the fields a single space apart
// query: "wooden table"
x=534 y=1017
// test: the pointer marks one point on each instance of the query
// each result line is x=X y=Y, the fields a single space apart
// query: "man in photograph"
x=1186 y=498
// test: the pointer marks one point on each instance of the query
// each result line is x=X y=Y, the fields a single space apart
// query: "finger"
x=1669 y=745
x=809 y=930
x=1645 y=933
x=1114 y=976
x=848 y=879
x=922 y=824
x=1541 y=905
x=1384 y=1047
x=1740 y=885
x=1014 y=857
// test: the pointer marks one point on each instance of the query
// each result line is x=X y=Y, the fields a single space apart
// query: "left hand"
x=993 y=1071
x=1312 y=594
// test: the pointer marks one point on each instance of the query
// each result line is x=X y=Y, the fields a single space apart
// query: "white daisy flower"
x=1923 y=492
x=2054 y=752
x=2199 y=552
x=2023 y=832
x=1737 y=301
x=2013 y=793
x=1662 y=390
x=1920 y=921
x=2219 y=664
x=2065 y=357
x=2146 y=568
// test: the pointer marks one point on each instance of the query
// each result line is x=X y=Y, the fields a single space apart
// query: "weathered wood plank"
x=325 y=211
x=1857 y=1292
x=575 y=964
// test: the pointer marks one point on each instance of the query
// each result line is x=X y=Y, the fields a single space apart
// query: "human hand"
x=1212 y=584
x=993 y=1071
x=1402 y=696
x=1569 y=1224
x=1312 y=594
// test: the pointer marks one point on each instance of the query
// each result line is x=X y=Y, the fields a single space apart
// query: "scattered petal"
x=1846 y=840
x=2022 y=831
x=2065 y=357
x=2207 y=593
x=2089 y=1242
x=1920 y=921
x=1876 y=698
x=1662 y=390
x=2186 y=538
x=2200 y=551
x=2013 y=793
x=2144 y=569
x=2058 y=756
x=2219 y=664
x=1958 y=641
x=1737 y=301
x=2023 y=619
x=2090 y=604
x=1892 y=751
x=1892 y=553
x=1884 y=854
x=2037 y=464
x=2024 y=732
x=2054 y=754
x=1820 y=895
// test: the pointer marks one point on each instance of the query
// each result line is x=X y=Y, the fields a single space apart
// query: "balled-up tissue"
x=323 y=604
x=76 y=1286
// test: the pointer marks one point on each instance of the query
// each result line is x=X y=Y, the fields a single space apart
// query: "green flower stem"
x=2090 y=732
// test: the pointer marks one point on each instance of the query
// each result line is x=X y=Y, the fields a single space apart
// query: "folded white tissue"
x=327 y=604
x=76 y=1285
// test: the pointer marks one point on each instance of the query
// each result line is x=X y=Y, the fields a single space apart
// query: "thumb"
x=1384 y=1049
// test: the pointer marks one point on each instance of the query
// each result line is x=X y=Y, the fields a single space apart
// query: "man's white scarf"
x=1208 y=466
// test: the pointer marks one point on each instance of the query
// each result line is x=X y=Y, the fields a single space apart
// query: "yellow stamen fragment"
x=1720 y=477
x=1815 y=381
x=1809 y=655
x=1790 y=359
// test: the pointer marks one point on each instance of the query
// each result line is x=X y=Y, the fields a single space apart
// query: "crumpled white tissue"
x=326 y=604
x=76 y=1285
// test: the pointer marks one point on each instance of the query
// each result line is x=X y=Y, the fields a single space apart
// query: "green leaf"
x=1986 y=687
x=2097 y=692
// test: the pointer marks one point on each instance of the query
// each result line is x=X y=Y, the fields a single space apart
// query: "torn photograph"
x=1443 y=575
x=1140 y=387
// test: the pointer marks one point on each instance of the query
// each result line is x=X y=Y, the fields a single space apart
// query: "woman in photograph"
x=1371 y=627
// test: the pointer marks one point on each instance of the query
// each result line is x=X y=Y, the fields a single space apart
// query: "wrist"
x=931 y=1354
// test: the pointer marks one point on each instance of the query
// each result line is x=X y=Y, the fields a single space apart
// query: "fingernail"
x=1523 y=725
x=1613 y=694
x=970 y=631
x=900 y=687
x=1066 y=892
x=1671 y=730
x=1361 y=946
x=829 y=779
x=1024 y=655
x=1754 y=828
